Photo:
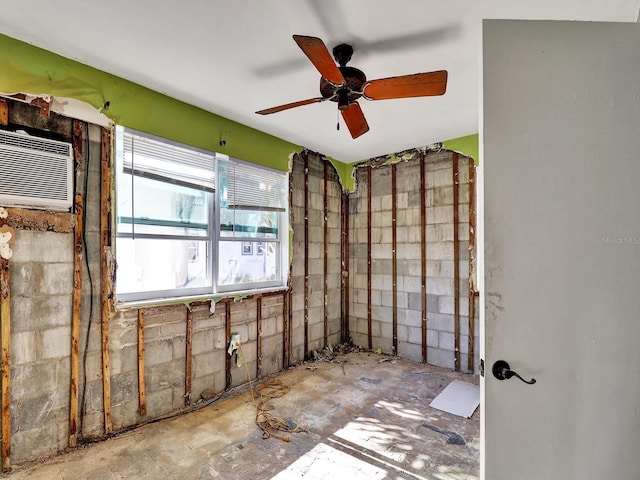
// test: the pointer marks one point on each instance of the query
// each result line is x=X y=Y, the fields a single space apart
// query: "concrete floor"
x=366 y=415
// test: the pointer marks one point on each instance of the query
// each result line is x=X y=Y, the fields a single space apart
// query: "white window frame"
x=214 y=237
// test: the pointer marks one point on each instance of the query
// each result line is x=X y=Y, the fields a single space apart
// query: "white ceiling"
x=233 y=57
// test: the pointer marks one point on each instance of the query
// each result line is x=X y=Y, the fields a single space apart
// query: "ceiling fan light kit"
x=345 y=85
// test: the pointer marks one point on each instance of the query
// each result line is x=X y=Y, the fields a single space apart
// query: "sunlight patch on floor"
x=400 y=410
x=452 y=473
x=377 y=437
x=322 y=463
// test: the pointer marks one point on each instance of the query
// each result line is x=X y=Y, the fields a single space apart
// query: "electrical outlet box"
x=234 y=343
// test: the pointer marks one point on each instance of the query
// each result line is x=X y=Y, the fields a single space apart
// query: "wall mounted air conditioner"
x=35 y=172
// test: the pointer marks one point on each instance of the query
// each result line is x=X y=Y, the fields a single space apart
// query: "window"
x=192 y=222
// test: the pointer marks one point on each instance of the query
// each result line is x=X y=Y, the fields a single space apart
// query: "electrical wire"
x=83 y=403
x=270 y=424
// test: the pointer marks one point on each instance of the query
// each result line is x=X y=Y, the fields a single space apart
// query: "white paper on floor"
x=459 y=398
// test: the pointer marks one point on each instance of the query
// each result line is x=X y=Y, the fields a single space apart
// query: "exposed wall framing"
x=227 y=358
x=170 y=355
x=44 y=221
x=456 y=261
x=259 y=336
x=78 y=209
x=325 y=263
x=286 y=329
x=188 y=359
x=369 y=273
x=394 y=260
x=306 y=255
x=106 y=273
x=423 y=258
x=472 y=267
x=4 y=112
x=142 y=388
x=409 y=259
x=344 y=270
x=75 y=321
x=5 y=341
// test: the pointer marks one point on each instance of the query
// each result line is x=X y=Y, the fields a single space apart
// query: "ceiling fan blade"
x=416 y=85
x=354 y=118
x=287 y=106
x=316 y=50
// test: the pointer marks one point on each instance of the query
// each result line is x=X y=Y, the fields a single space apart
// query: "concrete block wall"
x=439 y=259
x=165 y=346
x=42 y=284
x=41 y=289
x=41 y=271
x=209 y=347
x=316 y=297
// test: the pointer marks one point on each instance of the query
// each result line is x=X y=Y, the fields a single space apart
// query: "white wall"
x=561 y=133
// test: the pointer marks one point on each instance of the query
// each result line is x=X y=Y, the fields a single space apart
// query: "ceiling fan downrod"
x=342 y=53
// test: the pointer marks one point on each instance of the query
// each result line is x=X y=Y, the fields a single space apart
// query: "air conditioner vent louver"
x=35 y=172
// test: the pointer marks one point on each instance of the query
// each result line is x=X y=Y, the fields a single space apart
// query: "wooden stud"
x=188 y=357
x=286 y=321
x=78 y=141
x=43 y=105
x=342 y=272
x=344 y=291
x=259 y=337
x=5 y=340
x=326 y=252
x=227 y=357
x=394 y=258
x=306 y=255
x=142 y=389
x=4 y=112
x=106 y=273
x=287 y=301
x=75 y=321
x=369 y=332
x=423 y=255
x=472 y=246
x=456 y=264
x=5 y=358
x=25 y=219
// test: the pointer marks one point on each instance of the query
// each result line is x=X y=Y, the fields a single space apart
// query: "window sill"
x=215 y=298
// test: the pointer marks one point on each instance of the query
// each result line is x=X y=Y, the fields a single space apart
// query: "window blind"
x=146 y=157
x=253 y=187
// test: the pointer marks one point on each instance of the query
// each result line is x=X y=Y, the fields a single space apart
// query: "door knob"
x=502 y=371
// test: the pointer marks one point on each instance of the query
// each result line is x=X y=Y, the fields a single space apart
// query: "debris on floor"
x=458 y=398
x=380 y=428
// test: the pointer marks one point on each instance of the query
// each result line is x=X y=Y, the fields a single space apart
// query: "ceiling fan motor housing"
x=354 y=81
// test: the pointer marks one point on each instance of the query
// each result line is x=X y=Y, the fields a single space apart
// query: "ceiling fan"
x=345 y=85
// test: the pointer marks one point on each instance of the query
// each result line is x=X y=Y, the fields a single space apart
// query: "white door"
x=561 y=176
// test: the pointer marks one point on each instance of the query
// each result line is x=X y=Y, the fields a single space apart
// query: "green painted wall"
x=29 y=69
x=468 y=146
x=25 y=68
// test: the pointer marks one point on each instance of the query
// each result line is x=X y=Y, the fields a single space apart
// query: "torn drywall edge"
x=213 y=298
x=69 y=107
x=345 y=174
x=467 y=146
